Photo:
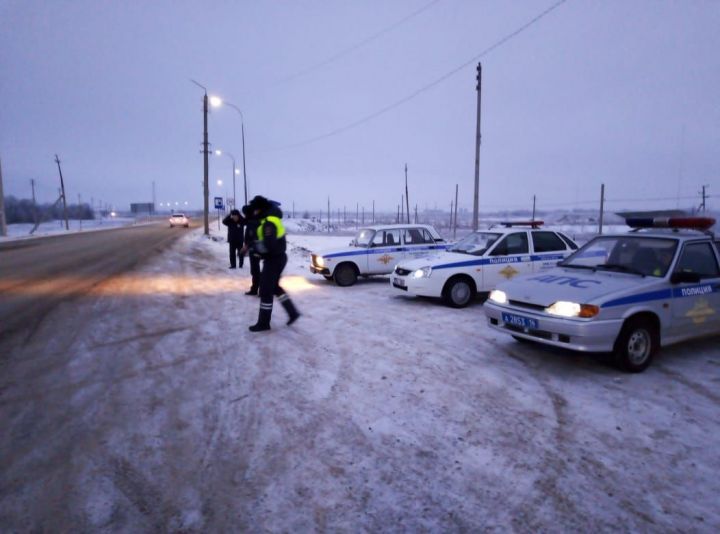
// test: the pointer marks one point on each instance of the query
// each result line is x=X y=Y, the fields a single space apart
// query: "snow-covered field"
x=58 y=227
x=373 y=412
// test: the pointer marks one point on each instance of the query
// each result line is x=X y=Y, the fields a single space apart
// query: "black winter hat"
x=234 y=212
x=259 y=203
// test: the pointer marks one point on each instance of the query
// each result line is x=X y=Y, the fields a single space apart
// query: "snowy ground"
x=58 y=227
x=374 y=412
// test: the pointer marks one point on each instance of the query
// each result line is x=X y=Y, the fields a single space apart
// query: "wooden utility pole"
x=416 y=218
x=328 y=215
x=62 y=193
x=476 y=197
x=407 y=197
x=363 y=216
x=533 y=215
x=206 y=167
x=357 y=215
x=373 y=212
x=602 y=208
x=702 y=193
x=3 y=221
x=456 y=208
x=451 y=215
x=402 y=209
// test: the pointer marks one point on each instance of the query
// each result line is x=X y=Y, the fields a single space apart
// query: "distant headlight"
x=498 y=296
x=425 y=272
x=572 y=309
x=319 y=261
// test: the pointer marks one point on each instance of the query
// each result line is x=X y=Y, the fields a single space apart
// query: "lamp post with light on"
x=216 y=102
x=234 y=172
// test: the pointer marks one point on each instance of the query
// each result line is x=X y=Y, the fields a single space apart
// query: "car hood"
x=439 y=258
x=574 y=285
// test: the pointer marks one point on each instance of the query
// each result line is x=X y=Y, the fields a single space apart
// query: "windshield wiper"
x=619 y=267
x=572 y=266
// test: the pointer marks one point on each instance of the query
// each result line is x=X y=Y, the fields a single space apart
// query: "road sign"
x=219 y=203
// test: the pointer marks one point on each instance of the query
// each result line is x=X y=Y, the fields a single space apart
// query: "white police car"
x=627 y=293
x=477 y=263
x=375 y=250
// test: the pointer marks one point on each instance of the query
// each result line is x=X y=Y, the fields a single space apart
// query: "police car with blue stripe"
x=627 y=294
x=375 y=250
x=477 y=263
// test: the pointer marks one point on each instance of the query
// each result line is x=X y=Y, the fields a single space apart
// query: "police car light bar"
x=695 y=223
x=533 y=224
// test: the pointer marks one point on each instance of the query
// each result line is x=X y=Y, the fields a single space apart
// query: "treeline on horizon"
x=21 y=210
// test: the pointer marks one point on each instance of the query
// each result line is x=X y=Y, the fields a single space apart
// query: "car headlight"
x=425 y=272
x=498 y=296
x=562 y=308
x=319 y=261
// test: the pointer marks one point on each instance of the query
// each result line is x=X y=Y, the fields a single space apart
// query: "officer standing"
x=271 y=246
x=235 y=236
x=251 y=226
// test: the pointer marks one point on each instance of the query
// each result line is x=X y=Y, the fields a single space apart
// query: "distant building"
x=142 y=208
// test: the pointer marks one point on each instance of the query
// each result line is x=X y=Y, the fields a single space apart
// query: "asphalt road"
x=37 y=274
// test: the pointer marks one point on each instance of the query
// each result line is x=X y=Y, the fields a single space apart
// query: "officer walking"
x=251 y=226
x=235 y=236
x=271 y=246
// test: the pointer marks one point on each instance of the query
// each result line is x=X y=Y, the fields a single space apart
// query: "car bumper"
x=319 y=270
x=420 y=287
x=584 y=336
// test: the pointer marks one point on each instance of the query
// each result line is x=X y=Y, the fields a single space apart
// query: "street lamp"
x=235 y=170
x=216 y=102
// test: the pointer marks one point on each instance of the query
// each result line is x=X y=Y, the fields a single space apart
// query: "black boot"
x=263 y=322
x=290 y=308
x=253 y=291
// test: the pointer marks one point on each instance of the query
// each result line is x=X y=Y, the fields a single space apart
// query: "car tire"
x=345 y=274
x=458 y=292
x=636 y=345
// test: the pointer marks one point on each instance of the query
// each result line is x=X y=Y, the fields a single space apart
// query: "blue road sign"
x=219 y=203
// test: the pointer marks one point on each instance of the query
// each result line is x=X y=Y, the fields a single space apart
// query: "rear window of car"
x=547 y=242
x=570 y=242
x=178 y=215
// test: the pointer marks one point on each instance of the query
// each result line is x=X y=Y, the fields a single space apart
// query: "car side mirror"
x=684 y=277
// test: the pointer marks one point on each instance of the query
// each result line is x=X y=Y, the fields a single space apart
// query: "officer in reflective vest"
x=270 y=246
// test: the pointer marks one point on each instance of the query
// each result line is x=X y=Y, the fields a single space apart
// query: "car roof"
x=178 y=215
x=667 y=233
x=396 y=226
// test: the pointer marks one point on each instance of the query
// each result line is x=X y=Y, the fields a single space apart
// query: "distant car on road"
x=375 y=250
x=623 y=293
x=477 y=263
x=179 y=219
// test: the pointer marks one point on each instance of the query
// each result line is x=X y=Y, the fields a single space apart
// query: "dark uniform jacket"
x=235 y=231
x=272 y=246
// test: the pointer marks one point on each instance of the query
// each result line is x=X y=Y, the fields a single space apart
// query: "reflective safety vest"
x=271 y=219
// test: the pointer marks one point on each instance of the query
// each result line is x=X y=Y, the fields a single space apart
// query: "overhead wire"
x=426 y=87
x=344 y=52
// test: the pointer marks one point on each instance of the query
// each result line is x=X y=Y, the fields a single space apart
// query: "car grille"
x=526 y=305
x=402 y=272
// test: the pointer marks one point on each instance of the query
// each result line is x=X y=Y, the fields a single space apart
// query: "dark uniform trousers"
x=270 y=287
x=255 y=272
x=235 y=249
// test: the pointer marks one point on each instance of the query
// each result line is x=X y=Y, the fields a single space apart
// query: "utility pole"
x=328 y=215
x=80 y=210
x=702 y=205
x=451 y=216
x=407 y=197
x=363 y=216
x=602 y=208
x=373 y=212
x=357 y=214
x=3 y=221
x=152 y=211
x=35 y=214
x=206 y=167
x=416 y=218
x=533 y=215
x=293 y=211
x=62 y=193
x=242 y=125
x=456 y=208
x=477 y=151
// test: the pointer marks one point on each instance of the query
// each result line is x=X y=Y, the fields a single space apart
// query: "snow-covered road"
x=154 y=408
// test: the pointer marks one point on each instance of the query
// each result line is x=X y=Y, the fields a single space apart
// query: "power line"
x=424 y=88
x=357 y=45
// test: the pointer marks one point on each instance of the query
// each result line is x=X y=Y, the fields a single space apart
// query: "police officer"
x=251 y=226
x=271 y=246
x=235 y=236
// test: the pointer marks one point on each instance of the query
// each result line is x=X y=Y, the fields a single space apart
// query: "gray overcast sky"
x=621 y=92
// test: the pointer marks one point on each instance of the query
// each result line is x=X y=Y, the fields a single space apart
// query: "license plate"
x=399 y=282
x=519 y=320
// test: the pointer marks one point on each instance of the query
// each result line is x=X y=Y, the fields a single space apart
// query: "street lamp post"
x=234 y=172
x=206 y=165
x=216 y=101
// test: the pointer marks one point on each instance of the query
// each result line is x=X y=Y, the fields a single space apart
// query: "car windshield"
x=363 y=237
x=476 y=243
x=179 y=215
x=645 y=256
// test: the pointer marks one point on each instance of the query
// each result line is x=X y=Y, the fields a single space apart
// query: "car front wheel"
x=345 y=275
x=458 y=292
x=636 y=345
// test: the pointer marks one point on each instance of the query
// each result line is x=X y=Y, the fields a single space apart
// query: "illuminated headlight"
x=572 y=309
x=319 y=261
x=498 y=296
x=422 y=273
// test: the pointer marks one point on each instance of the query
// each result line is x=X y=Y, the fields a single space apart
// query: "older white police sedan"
x=627 y=294
x=477 y=263
x=375 y=250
